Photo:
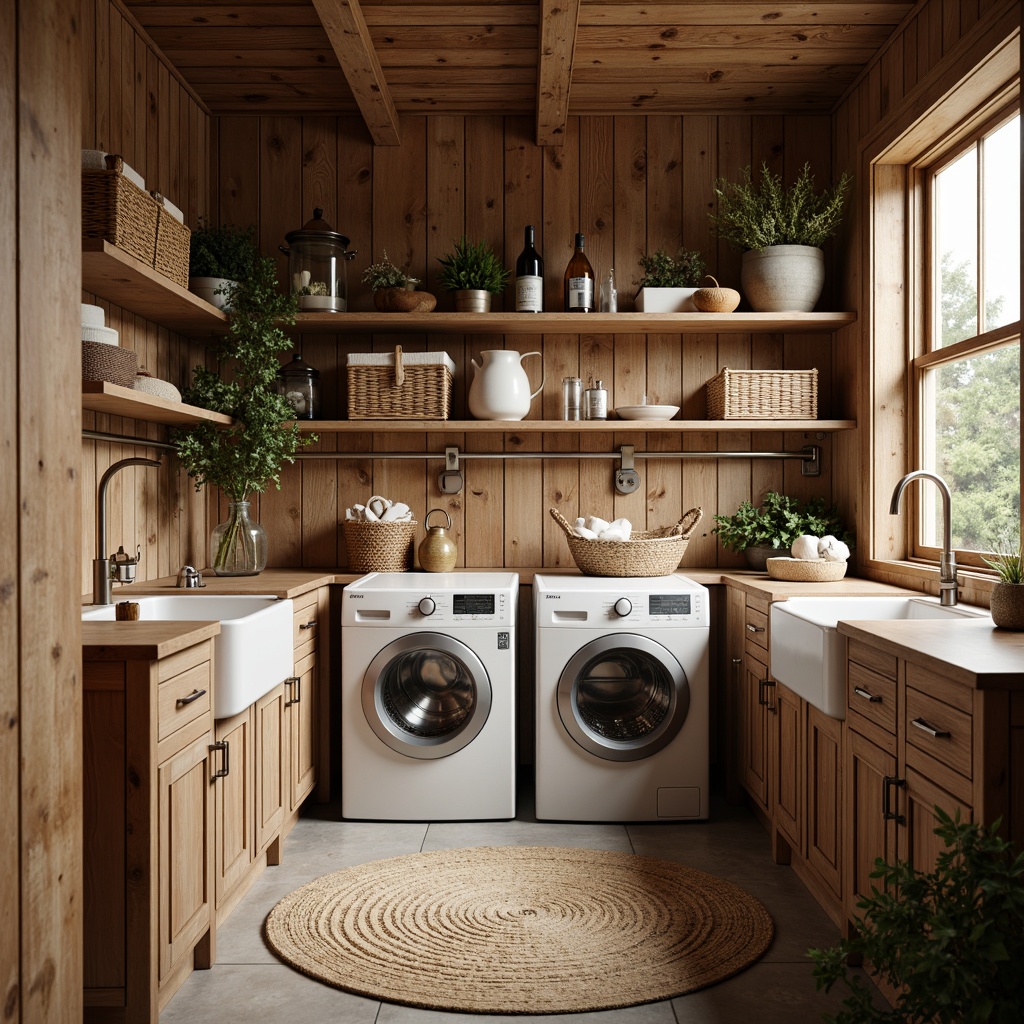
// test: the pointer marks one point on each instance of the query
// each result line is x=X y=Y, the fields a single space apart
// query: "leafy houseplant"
x=950 y=940
x=223 y=253
x=385 y=274
x=1007 y=601
x=472 y=266
x=247 y=456
x=686 y=270
x=394 y=291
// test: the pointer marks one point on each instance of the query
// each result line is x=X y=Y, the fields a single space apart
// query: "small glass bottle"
x=609 y=295
x=571 y=395
x=597 y=402
x=579 y=281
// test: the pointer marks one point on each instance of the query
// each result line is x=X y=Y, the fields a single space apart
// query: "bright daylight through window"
x=969 y=377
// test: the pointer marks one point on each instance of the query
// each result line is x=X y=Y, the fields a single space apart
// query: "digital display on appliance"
x=473 y=604
x=669 y=604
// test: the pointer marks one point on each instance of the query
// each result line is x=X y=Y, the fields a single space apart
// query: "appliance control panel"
x=664 y=601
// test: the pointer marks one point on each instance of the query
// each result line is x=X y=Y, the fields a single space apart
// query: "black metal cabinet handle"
x=763 y=685
x=307 y=625
x=297 y=683
x=867 y=695
x=939 y=734
x=193 y=696
x=751 y=628
x=222 y=772
x=888 y=781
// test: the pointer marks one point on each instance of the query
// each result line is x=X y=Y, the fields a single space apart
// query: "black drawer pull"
x=295 y=681
x=751 y=628
x=867 y=695
x=939 y=734
x=307 y=625
x=193 y=696
x=222 y=772
x=888 y=814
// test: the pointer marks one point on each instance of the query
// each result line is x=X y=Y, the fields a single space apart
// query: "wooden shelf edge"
x=114 y=400
x=567 y=426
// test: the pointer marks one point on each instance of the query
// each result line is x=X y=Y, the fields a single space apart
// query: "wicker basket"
x=379 y=547
x=117 y=210
x=170 y=256
x=108 y=363
x=763 y=395
x=805 y=570
x=410 y=385
x=651 y=553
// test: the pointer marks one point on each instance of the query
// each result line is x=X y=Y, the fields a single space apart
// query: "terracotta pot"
x=783 y=278
x=1007 y=605
x=401 y=300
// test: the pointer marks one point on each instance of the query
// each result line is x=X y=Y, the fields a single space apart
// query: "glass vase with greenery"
x=751 y=216
x=777 y=522
x=685 y=270
x=472 y=266
x=247 y=456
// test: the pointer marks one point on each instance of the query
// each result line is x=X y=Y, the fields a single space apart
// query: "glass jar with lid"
x=299 y=384
x=317 y=257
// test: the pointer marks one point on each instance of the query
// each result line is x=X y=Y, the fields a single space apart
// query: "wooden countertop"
x=971 y=651
x=275 y=582
x=760 y=584
x=141 y=640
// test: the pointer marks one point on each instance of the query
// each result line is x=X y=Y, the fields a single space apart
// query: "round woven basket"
x=805 y=570
x=108 y=362
x=379 y=547
x=646 y=553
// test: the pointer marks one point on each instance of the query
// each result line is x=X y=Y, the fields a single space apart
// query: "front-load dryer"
x=622 y=698
x=428 y=696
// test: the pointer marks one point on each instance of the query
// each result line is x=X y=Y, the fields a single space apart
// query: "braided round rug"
x=520 y=930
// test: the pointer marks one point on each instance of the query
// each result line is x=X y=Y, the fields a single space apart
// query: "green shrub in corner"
x=222 y=251
x=777 y=522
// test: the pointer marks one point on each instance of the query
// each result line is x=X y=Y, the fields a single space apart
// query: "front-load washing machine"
x=622 y=698
x=428 y=696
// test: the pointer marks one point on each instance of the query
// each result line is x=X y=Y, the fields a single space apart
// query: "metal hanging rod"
x=100 y=435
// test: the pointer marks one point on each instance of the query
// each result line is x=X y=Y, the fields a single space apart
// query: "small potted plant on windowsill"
x=394 y=291
x=220 y=258
x=474 y=273
x=669 y=282
x=1007 y=601
x=781 y=231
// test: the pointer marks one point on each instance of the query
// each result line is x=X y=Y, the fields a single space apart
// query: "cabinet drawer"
x=871 y=696
x=306 y=624
x=757 y=627
x=879 y=662
x=182 y=699
x=939 y=730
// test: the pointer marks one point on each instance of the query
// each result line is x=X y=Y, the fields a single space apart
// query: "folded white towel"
x=618 y=529
x=833 y=550
x=582 y=531
x=399 y=512
x=805 y=546
x=94 y=160
x=596 y=524
x=379 y=510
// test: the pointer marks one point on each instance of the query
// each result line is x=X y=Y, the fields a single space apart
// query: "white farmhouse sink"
x=809 y=656
x=253 y=652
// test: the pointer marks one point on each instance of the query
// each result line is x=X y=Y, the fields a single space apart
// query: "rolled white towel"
x=618 y=529
x=582 y=531
x=833 y=550
x=399 y=512
x=805 y=546
x=596 y=524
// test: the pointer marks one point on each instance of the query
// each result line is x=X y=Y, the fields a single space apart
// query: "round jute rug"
x=520 y=930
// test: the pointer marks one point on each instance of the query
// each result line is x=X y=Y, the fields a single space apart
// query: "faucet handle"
x=122 y=565
x=190 y=578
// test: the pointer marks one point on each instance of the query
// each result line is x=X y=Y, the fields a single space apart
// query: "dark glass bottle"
x=529 y=277
x=579 y=281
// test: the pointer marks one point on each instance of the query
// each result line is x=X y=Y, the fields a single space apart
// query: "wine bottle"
x=579 y=281
x=529 y=277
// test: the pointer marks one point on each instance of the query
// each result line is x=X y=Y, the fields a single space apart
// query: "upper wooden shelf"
x=392 y=426
x=571 y=323
x=116 y=276
x=114 y=400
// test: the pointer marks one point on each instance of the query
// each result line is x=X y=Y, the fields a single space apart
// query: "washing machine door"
x=623 y=697
x=426 y=695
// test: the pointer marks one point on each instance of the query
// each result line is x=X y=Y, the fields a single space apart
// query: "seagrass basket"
x=170 y=256
x=402 y=385
x=646 y=553
x=379 y=547
x=763 y=395
x=116 y=209
x=111 y=363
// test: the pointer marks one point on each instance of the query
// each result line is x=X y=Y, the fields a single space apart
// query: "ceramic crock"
x=500 y=389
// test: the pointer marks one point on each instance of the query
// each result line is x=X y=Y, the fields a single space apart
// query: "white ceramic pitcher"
x=500 y=389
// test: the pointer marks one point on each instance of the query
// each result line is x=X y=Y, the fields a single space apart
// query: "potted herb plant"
x=769 y=529
x=781 y=231
x=950 y=941
x=1007 y=601
x=473 y=271
x=669 y=282
x=220 y=257
x=394 y=291
x=247 y=456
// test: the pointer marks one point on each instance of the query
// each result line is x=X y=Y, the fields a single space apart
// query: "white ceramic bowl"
x=646 y=412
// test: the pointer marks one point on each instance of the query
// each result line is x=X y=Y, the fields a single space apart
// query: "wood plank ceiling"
x=551 y=58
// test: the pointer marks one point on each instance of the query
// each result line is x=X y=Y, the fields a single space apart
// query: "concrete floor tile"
x=650 y=1013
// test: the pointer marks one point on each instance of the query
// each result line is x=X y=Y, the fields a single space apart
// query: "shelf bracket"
x=811 y=466
x=449 y=480
x=627 y=479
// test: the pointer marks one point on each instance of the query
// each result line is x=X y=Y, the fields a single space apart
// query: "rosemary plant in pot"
x=394 y=291
x=781 y=231
x=669 y=282
x=473 y=271
x=247 y=456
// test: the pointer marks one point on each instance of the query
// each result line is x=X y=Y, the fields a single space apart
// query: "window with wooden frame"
x=966 y=393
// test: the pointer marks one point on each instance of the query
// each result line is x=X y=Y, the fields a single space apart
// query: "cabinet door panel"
x=754 y=731
x=301 y=712
x=824 y=797
x=788 y=763
x=234 y=800
x=271 y=773
x=918 y=843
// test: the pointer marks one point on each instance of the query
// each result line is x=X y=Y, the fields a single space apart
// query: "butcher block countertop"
x=970 y=651
x=275 y=582
x=145 y=641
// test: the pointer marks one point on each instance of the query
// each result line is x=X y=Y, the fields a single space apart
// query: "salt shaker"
x=597 y=402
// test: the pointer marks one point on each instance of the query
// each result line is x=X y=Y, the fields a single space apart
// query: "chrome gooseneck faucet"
x=119 y=566
x=947 y=561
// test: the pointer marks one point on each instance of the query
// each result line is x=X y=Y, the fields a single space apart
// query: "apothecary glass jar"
x=299 y=384
x=238 y=546
x=317 y=255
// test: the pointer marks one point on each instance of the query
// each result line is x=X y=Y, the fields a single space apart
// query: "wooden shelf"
x=114 y=400
x=566 y=426
x=116 y=276
x=571 y=323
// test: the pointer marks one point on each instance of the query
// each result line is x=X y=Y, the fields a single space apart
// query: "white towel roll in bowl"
x=93 y=316
x=104 y=335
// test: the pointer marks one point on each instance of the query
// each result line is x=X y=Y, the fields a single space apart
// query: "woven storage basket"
x=379 y=547
x=651 y=553
x=108 y=362
x=763 y=395
x=171 y=252
x=406 y=385
x=117 y=210
x=805 y=570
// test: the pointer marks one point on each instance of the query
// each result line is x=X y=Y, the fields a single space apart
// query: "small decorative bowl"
x=806 y=570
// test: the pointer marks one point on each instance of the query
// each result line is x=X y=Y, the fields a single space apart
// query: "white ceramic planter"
x=215 y=290
x=783 y=278
x=665 y=300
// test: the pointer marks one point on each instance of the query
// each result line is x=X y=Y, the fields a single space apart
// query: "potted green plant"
x=1007 y=601
x=950 y=941
x=669 y=282
x=394 y=291
x=220 y=257
x=473 y=271
x=247 y=456
x=781 y=231
x=769 y=529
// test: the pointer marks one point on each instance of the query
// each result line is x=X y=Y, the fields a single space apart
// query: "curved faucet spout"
x=947 y=564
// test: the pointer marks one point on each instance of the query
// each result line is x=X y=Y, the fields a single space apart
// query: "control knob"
x=427 y=605
x=623 y=607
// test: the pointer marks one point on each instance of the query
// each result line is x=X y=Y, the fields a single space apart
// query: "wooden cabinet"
x=150 y=771
x=234 y=801
x=271 y=793
x=756 y=704
x=306 y=711
x=787 y=762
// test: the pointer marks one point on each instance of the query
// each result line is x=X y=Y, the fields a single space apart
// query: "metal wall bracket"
x=811 y=466
x=449 y=480
x=627 y=479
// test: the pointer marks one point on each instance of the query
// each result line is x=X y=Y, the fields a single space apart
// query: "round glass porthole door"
x=426 y=695
x=623 y=697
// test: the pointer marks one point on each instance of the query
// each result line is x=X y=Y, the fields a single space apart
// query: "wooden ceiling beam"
x=555 y=53
x=345 y=26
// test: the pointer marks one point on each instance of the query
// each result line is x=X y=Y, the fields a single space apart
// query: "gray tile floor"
x=248 y=984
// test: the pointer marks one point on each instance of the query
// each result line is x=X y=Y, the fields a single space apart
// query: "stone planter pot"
x=757 y=558
x=474 y=300
x=1007 y=605
x=783 y=278
x=402 y=300
x=215 y=290
x=665 y=300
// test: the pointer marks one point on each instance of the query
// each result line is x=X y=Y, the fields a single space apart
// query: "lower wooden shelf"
x=393 y=426
x=114 y=400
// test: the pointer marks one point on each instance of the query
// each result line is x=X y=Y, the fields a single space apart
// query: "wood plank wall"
x=631 y=184
x=134 y=103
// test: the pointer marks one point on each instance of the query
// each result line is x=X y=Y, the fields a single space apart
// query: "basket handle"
x=562 y=522
x=399 y=367
x=686 y=525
